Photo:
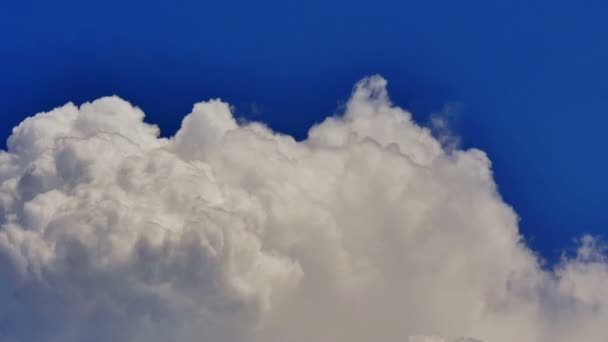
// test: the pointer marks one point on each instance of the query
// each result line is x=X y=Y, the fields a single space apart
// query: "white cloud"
x=366 y=231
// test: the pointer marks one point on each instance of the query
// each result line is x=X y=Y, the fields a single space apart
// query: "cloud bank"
x=368 y=230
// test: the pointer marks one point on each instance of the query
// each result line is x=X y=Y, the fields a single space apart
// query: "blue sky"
x=527 y=78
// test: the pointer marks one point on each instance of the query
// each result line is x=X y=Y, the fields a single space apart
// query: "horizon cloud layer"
x=367 y=230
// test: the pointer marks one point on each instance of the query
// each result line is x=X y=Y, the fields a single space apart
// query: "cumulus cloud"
x=368 y=230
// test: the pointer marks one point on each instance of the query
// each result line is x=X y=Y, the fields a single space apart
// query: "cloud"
x=368 y=230
x=440 y=124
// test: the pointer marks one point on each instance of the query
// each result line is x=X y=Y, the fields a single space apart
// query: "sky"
x=523 y=81
x=248 y=171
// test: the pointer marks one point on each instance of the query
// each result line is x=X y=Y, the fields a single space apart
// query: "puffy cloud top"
x=368 y=230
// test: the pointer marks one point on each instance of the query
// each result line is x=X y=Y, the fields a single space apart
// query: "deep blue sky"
x=528 y=77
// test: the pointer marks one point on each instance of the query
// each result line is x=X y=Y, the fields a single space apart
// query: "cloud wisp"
x=368 y=230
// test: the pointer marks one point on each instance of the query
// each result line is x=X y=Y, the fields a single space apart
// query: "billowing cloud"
x=368 y=230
